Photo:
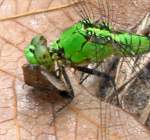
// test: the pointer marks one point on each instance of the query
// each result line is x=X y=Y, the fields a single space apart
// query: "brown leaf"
x=27 y=113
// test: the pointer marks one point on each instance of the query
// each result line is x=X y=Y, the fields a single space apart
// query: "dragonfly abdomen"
x=131 y=44
x=124 y=43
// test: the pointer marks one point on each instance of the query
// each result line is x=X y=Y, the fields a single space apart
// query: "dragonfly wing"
x=99 y=119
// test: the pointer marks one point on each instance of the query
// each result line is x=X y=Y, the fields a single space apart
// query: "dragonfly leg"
x=59 y=84
x=100 y=74
x=84 y=77
x=67 y=81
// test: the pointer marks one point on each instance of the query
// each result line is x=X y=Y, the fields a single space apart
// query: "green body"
x=132 y=44
x=77 y=48
x=86 y=43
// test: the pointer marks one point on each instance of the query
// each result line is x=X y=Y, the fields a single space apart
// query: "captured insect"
x=93 y=39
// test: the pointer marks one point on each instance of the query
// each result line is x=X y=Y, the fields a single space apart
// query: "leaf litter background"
x=27 y=113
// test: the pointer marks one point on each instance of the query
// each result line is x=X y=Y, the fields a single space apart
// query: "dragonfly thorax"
x=82 y=44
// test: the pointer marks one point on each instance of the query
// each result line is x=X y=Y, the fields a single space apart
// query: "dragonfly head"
x=37 y=52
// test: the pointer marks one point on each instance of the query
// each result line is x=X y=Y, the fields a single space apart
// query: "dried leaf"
x=27 y=113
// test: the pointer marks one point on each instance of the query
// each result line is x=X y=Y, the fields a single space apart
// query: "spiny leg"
x=53 y=80
x=83 y=78
x=66 y=92
x=58 y=83
x=67 y=80
x=69 y=93
x=100 y=74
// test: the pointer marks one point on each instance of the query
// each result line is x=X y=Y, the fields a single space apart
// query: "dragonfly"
x=95 y=41
x=91 y=40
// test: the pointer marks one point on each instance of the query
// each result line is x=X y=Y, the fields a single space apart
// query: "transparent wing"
x=123 y=15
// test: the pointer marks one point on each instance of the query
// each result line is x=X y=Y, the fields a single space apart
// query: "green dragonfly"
x=87 y=41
